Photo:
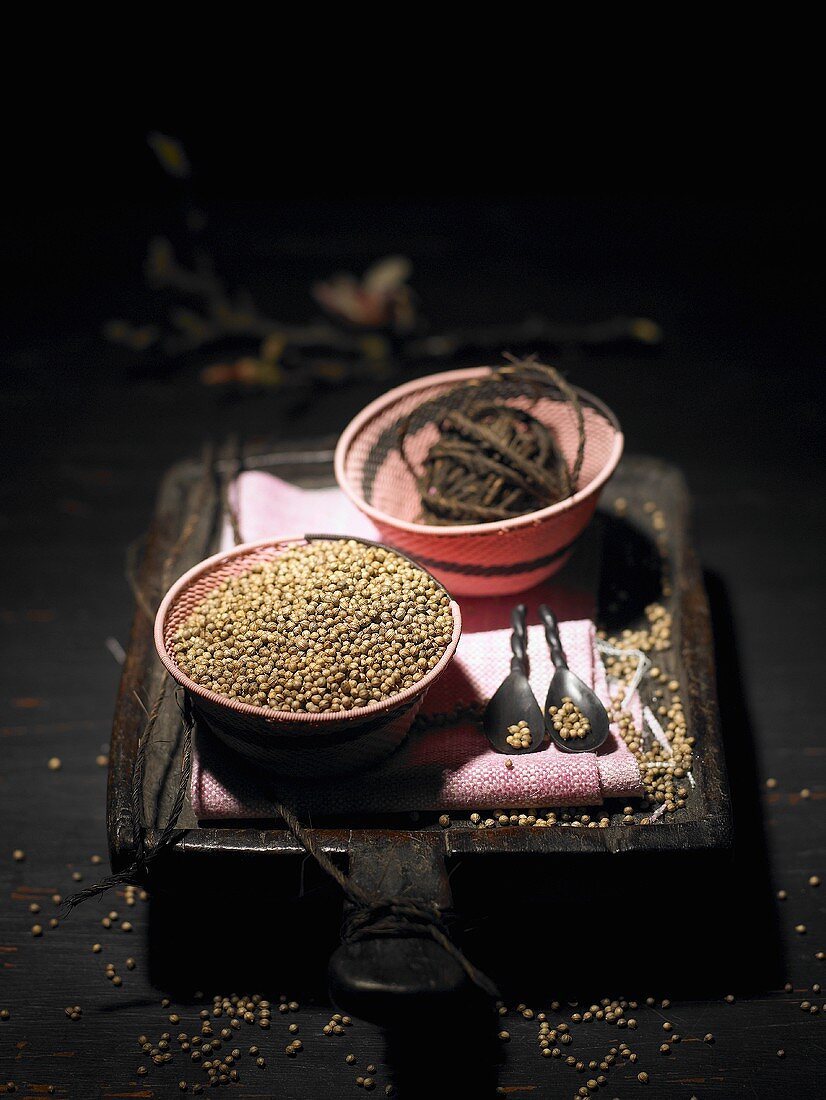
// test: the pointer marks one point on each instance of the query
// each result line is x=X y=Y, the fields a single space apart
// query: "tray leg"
x=386 y=978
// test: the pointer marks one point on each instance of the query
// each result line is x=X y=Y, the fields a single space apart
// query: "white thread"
x=657 y=813
x=643 y=665
x=657 y=730
x=691 y=779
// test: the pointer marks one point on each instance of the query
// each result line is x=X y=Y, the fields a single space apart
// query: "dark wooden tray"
x=410 y=854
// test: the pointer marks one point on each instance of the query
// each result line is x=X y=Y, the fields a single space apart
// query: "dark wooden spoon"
x=566 y=684
x=514 y=700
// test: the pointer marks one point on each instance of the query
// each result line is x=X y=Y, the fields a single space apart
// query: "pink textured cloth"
x=443 y=769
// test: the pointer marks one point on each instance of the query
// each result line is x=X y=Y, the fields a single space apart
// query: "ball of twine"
x=494 y=461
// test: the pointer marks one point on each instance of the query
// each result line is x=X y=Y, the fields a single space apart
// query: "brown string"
x=493 y=461
x=226 y=488
x=372 y=915
x=137 y=873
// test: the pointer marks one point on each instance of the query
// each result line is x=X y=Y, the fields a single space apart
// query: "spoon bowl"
x=514 y=700
x=566 y=684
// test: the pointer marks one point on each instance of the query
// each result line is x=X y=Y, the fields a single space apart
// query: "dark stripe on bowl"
x=497 y=570
x=247 y=728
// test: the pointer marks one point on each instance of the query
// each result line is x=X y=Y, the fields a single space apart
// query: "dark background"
x=733 y=394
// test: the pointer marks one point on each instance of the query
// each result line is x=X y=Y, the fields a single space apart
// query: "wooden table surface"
x=734 y=396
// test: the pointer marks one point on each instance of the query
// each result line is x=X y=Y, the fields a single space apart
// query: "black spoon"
x=514 y=700
x=565 y=684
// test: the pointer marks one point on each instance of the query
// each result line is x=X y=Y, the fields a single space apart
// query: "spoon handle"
x=552 y=634
x=519 y=638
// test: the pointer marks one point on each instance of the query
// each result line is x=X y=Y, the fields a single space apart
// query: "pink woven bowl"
x=481 y=559
x=296 y=743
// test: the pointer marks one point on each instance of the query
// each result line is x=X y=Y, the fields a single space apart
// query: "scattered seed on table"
x=444 y=821
x=96 y=860
x=37 y=930
x=814 y=880
x=4 y=1014
x=55 y=764
x=130 y=963
x=125 y=926
x=805 y=793
x=102 y=760
x=18 y=855
x=642 y=1076
x=709 y=1038
x=729 y=998
x=504 y=1036
x=800 y=929
x=350 y=1059
x=782 y=895
x=77 y=876
x=781 y=1054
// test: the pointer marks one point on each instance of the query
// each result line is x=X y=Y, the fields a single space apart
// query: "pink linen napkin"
x=443 y=769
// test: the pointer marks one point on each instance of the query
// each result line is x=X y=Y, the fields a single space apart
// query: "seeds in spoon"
x=569 y=721
x=520 y=735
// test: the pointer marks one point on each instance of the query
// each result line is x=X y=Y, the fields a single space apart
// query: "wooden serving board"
x=618 y=559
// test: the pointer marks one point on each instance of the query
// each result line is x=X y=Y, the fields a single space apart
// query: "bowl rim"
x=358 y=422
x=299 y=717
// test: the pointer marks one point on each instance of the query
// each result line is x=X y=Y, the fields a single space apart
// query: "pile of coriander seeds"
x=324 y=627
x=569 y=721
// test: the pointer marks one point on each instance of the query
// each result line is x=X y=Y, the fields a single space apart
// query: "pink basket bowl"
x=294 y=743
x=480 y=559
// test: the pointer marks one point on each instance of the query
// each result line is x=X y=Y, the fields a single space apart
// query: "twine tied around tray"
x=146 y=852
x=492 y=460
x=368 y=914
